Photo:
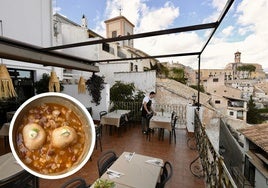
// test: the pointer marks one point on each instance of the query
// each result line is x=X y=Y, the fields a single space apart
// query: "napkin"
x=114 y=174
x=129 y=156
x=155 y=162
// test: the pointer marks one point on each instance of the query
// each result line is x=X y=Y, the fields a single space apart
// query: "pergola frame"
x=10 y=49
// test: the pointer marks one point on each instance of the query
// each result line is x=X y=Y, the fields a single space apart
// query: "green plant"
x=253 y=114
x=122 y=92
x=196 y=88
x=178 y=75
x=247 y=68
x=100 y=183
x=94 y=86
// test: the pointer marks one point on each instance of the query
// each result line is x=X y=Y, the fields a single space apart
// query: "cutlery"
x=114 y=173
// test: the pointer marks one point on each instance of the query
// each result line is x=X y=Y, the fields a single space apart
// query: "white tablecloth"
x=9 y=167
x=161 y=122
x=137 y=172
x=113 y=118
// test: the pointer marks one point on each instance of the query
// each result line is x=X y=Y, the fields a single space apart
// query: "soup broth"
x=47 y=158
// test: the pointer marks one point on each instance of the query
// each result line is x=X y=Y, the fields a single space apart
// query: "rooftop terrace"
x=179 y=154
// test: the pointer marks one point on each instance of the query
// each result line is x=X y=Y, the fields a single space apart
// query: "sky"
x=244 y=28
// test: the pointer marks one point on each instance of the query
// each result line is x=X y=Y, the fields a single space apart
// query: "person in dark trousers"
x=147 y=112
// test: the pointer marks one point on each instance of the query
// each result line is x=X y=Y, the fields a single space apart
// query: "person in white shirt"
x=147 y=112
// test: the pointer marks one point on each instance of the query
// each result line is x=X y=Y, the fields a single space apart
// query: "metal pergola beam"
x=222 y=15
x=213 y=26
x=46 y=56
x=149 y=57
x=15 y=50
x=136 y=36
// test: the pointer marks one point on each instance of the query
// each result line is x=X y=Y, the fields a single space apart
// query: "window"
x=136 y=68
x=131 y=66
x=215 y=79
x=129 y=42
x=217 y=102
x=231 y=113
x=105 y=47
x=114 y=34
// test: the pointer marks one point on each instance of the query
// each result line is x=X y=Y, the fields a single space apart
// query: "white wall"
x=144 y=81
x=30 y=22
x=85 y=99
x=190 y=113
x=74 y=34
x=260 y=180
x=27 y=21
x=108 y=70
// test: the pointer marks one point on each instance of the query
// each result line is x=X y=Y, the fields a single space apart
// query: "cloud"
x=250 y=23
x=157 y=19
x=55 y=7
x=227 y=31
x=130 y=9
x=247 y=27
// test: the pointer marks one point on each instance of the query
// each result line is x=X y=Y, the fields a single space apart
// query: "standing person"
x=146 y=109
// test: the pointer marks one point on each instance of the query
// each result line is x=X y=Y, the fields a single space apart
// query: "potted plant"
x=100 y=183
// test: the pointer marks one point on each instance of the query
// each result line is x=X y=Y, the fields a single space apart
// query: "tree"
x=122 y=92
x=253 y=115
x=124 y=96
x=247 y=68
x=178 y=75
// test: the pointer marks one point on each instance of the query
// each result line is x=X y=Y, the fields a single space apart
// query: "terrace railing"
x=212 y=167
x=135 y=108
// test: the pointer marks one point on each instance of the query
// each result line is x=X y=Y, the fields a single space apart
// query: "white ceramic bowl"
x=74 y=105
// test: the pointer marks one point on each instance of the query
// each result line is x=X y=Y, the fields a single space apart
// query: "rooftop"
x=257 y=134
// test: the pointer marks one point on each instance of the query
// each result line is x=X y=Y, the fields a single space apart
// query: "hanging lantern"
x=81 y=85
x=54 y=83
x=6 y=86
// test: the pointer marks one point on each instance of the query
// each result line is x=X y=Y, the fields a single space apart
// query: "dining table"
x=159 y=121
x=9 y=167
x=113 y=118
x=12 y=172
x=4 y=132
x=134 y=170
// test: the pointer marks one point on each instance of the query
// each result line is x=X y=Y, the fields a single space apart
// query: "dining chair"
x=102 y=113
x=23 y=180
x=130 y=117
x=76 y=182
x=98 y=136
x=105 y=161
x=122 y=123
x=172 y=115
x=166 y=174
x=172 y=133
x=89 y=109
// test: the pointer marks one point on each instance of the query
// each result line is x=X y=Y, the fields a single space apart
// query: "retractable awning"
x=19 y=51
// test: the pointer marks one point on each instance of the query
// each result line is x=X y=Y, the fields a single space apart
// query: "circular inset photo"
x=52 y=135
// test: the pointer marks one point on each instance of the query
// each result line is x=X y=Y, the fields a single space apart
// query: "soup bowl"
x=50 y=165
